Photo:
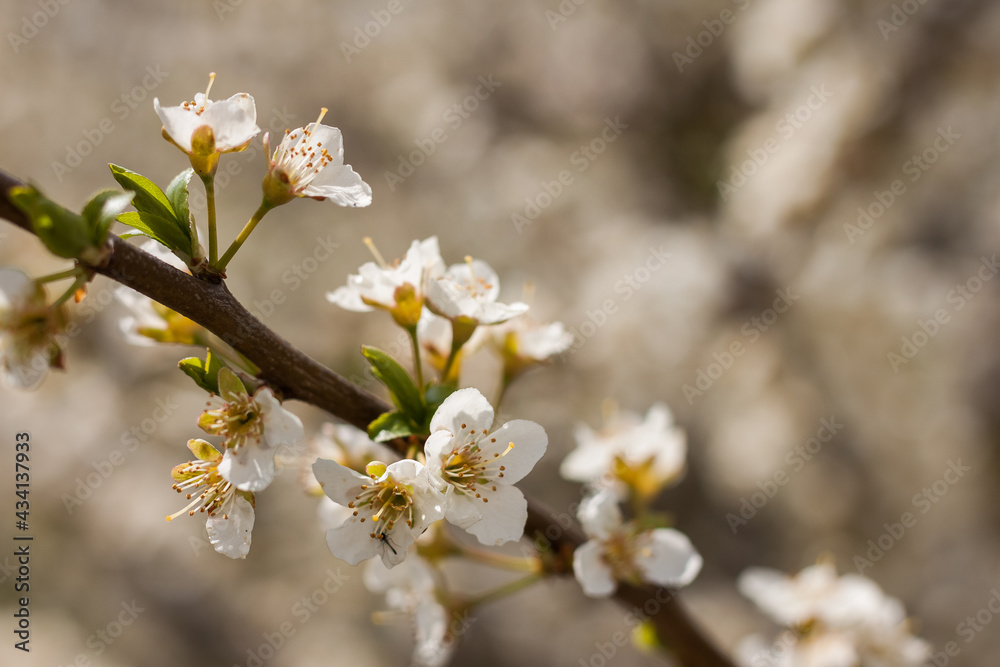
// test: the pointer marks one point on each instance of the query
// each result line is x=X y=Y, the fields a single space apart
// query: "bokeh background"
x=753 y=136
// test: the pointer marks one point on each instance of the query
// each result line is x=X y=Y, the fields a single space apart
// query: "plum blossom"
x=410 y=591
x=253 y=427
x=29 y=330
x=523 y=343
x=476 y=469
x=309 y=162
x=392 y=505
x=204 y=128
x=230 y=512
x=624 y=551
x=397 y=288
x=845 y=621
x=629 y=452
x=468 y=293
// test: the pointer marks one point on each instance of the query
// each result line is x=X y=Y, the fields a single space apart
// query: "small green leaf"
x=389 y=426
x=177 y=194
x=405 y=394
x=149 y=197
x=204 y=372
x=102 y=210
x=230 y=386
x=159 y=229
x=63 y=232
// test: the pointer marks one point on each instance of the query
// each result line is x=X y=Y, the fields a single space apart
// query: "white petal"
x=229 y=530
x=503 y=517
x=16 y=289
x=330 y=514
x=529 y=441
x=438 y=449
x=592 y=573
x=251 y=469
x=600 y=515
x=349 y=298
x=281 y=427
x=179 y=123
x=341 y=185
x=667 y=557
x=25 y=373
x=466 y=406
x=352 y=541
x=341 y=484
x=233 y=121
x=433 y=648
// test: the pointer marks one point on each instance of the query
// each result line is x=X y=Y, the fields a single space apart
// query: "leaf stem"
x=213 y=236
x=52 y=277
x=417 y=368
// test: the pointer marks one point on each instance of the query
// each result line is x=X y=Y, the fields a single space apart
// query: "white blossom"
x=29 y=328
x=468 y=292
x=477 y=468
x=622 y=551
x=205 y=127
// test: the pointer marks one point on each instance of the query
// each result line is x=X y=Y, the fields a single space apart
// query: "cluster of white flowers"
x=834 y=621
x=222 y=484
x=630 y=459
x=467 y=479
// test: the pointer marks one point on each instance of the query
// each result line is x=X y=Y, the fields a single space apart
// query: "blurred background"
x=818 y=183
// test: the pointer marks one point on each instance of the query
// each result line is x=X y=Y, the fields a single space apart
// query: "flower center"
x=302 y=158
x=468 y=468
x=237 y=422
x=389 y=502
x=197 y=474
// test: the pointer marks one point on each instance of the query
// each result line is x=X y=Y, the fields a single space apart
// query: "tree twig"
x=297 y=376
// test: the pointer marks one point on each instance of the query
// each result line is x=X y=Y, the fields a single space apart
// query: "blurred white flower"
x=476 y=469
x=410 y=590
x=523 y=343
x=28 y=331
x=622 y=552
x=392 y=506
x=309 y=162
x=397 y=288
x=468 y=293
x=846 y=620
x=253 y=427
x=230 y=512
x=644 y=454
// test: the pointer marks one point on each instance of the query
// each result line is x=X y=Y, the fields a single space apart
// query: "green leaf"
x=177 y=194
x=159 y=229
x=63 y=232
x=102 y=210
x=204 y=372
x=389 y=426
x=405 y=394
x=230 y=386
x=157 y=212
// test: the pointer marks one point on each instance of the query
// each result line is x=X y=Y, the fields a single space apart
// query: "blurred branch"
x=297 y=376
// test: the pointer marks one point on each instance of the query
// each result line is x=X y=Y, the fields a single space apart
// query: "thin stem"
x=213 y=236
x=80 y=281
x=532 y=565
x=52 y=277
x=417 y=368
x=505 y=590
x=244 y=235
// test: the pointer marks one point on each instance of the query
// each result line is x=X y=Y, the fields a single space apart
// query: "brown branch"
x=297 y=376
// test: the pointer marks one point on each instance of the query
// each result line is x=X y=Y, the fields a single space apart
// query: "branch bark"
x=297 y=376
